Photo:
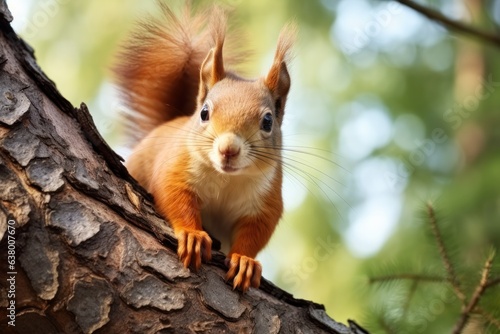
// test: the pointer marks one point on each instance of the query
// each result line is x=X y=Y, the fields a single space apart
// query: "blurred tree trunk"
x=470 y=82
x=82 y=249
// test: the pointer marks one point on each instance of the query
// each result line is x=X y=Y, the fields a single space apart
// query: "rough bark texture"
x=91 y=254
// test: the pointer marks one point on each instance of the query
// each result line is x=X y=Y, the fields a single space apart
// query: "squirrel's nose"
x=229 y=151
x=229 y=145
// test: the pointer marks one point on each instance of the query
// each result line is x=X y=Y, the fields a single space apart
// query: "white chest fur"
x=226 y=198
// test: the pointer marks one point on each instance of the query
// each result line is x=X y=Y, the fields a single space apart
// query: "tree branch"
x=87 y=258
x=452 y=24
x=478 y=293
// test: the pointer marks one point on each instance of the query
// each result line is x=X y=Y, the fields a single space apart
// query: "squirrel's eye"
x=204 y=114
x=267 y=122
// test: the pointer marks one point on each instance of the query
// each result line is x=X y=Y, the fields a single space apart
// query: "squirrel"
x=211 y=154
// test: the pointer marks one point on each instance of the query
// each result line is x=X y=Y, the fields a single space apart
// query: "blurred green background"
x=387 y=112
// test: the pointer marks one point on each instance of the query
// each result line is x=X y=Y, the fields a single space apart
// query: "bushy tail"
x=158 y=70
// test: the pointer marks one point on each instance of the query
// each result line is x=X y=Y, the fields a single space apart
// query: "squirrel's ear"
x=212 y=70
x=278 y=79
x=278 y=82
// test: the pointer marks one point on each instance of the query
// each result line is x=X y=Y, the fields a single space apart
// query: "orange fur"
x=211 y=156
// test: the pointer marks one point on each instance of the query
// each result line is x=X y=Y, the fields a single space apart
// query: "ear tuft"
x=212 y=69
x=278 y=78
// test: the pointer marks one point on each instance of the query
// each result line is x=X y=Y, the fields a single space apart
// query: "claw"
x=244 y=271
x=193 y=246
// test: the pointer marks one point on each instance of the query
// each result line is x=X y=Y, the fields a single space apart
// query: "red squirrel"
x=211 y=156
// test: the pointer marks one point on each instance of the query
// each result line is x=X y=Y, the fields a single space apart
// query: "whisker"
x=198 y=138
x=288 y=174
x=137 y=151
x=306 y=175
x=292 y=149
x=170 y=159
x=307 y=165
x=315 y=169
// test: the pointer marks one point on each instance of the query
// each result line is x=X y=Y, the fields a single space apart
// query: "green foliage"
x=392 y=110
x=434 y=300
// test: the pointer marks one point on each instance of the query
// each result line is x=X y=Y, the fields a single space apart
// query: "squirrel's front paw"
x=193 y=246
x=244 y=271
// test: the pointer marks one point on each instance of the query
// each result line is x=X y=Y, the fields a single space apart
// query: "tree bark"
x=82 y=248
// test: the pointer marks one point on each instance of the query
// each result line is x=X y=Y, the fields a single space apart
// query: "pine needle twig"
x=490 y=318
x=450 y=271
x=412 y=277
x=411 y=293
x=386 y=326
x=478 y=293
x=492 y=282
